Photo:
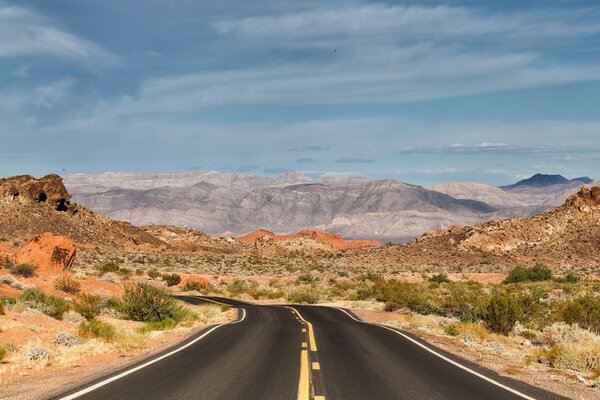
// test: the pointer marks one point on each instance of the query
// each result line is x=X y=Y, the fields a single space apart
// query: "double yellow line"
x=304 y=382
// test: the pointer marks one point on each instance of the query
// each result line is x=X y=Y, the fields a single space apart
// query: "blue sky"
x=424 y=92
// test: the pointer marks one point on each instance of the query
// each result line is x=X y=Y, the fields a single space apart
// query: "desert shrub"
x=38 y=353
x=153 y=273
x=66 y=339
x=112 y=266
x=569 y=278
x=88 y=305
x=465 y=301
x=147 y=303
x=370 y=275
x=171 y=279
x=537 y=273
x=304 y=296
x=306 y=278
x=473 y=330
x=439 y=278
x=24 y=270
x=451 y=330
x=52 y=306
x=3 y=353
x=67 y=284
x=2 y=306
x=584 y=311
x=238 y=286
x=575 y=356
x=225 y=307
x=502 y=313
x=97 y=329
x=192 y=285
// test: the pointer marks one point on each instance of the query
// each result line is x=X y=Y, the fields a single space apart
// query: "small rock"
x=526 y=342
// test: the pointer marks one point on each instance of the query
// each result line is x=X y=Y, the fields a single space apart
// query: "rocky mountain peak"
x=48 y=190
x=585 y=199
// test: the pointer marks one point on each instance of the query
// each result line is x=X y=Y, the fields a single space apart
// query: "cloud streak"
x=24 y=32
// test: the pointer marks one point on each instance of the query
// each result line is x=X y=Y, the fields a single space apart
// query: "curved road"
x=303 y=352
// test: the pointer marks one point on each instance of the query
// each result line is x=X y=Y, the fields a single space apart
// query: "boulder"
x=195 y=279
x=48 y=252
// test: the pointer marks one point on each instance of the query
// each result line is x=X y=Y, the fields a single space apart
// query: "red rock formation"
x=263 y=236
x=49 y=253
x=195 y=279
x=48 y=189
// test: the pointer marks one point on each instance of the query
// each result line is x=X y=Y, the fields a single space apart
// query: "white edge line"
x=132 y=370
x=477 y=374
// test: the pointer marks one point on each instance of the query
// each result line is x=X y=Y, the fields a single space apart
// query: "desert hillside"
x=565 y=238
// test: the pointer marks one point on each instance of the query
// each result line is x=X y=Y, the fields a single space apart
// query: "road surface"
x=303 y=352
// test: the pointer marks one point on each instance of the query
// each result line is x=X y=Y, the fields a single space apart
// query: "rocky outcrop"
x=194 y=279
x=49 y=253
x=585 y=200
x=47 y=190
x=304 y=239
x=336 y=241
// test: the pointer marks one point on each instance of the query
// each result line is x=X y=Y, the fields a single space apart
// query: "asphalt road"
x=304 y=352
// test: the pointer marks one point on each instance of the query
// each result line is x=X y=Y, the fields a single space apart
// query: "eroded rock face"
x=584 y=199
x=49 y=253
x=48 y=189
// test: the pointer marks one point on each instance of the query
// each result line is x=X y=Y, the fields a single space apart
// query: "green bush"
x=306 y=278
x=225 y=307
x=89 y=305
x=97 y=329
x=535 y=274
x=452 y=330
x=303 y=296
x=584 y=311
x=3 y=353
x=52 y=306
x=238 y=286
x=67 y=284
x=153 y=273
x=171 y=279
x=112 y=266
x=569 y=278
x=502 y=313
x=192 y=285
x=147 y=303
x=2 y=306
x=24 y=270
x=439 y=278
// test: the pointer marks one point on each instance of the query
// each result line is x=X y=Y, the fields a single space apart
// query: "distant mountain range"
x=356 y=207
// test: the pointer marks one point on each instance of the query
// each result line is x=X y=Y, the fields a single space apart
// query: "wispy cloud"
x=350 y=160
x=305 y=160
x=24 y=32
x=304 y=149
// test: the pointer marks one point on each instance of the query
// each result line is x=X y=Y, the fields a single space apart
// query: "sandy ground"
x=505 y=357
x=67 y=367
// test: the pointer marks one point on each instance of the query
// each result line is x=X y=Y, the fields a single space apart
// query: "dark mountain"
x=538 y=180
x=583 y=179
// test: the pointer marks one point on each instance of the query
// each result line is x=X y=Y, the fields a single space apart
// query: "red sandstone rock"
x=49 y=253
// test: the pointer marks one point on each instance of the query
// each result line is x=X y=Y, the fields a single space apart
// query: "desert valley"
x=69 y=274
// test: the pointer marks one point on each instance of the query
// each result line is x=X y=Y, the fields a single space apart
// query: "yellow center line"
x=316 y=366
x=311 y=335
x=303 y=388
x=319 y=397
x=303 y=345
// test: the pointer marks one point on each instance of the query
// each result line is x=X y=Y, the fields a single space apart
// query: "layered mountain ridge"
x=356 y=207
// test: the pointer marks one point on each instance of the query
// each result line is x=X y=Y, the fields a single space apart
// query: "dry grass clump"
x=67 y=284
x=468 y=330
